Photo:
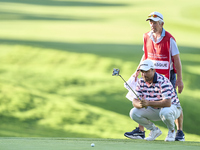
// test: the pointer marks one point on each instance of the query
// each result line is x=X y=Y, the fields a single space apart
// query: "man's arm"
x=136 y=73
x=144 y=103
x=159 y=104
x=179 y=82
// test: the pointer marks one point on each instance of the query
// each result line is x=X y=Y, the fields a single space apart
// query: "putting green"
x=85 y=144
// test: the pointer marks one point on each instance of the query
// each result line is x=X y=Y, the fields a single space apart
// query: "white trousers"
x=167 y=115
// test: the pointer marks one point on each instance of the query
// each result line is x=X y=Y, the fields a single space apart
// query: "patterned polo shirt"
x=161 y=88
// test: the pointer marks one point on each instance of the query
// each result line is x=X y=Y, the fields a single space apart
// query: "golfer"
x=158 y=102
x=160 y=46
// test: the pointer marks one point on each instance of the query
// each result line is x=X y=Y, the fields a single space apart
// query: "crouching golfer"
x=158 y=102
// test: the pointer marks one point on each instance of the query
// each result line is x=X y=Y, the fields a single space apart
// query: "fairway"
x=85 y=144
x=56 y=61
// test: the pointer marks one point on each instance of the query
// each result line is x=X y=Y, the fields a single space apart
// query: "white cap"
x=146 y=65
x=155 y=16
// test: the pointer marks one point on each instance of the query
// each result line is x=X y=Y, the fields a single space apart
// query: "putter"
x=116 y=73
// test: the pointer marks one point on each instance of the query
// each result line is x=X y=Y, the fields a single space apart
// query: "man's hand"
x=144 y=103
x=136 y=74
x=179 y=83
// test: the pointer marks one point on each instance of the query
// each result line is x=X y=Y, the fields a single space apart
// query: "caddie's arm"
x=159 y=104
x=136 y=73
x=179 y=82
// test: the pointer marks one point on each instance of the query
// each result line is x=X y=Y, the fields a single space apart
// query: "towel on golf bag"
x=131 y=82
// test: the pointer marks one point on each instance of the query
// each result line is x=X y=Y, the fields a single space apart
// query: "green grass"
x=57 y=57
x=85 y=144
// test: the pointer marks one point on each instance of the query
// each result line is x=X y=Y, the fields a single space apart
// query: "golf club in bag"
x=116 y=73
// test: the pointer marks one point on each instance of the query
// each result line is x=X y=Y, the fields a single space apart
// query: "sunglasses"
x=155 y=16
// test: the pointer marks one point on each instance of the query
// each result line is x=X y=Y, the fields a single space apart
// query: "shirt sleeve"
x=166 y=89
x=173 y=47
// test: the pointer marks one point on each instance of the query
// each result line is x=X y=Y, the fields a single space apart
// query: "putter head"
x=115 y=72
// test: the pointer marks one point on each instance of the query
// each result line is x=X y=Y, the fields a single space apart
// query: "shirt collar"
x=162 y=34
x=155 y=78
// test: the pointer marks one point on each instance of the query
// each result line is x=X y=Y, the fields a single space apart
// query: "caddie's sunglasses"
x=154 y=16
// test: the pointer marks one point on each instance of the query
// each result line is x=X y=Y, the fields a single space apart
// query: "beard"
x=147 y=79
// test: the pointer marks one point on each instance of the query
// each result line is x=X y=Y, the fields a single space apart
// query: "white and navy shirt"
x=160 y=89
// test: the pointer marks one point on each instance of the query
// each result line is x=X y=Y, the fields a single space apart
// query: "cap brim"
x=144 y=69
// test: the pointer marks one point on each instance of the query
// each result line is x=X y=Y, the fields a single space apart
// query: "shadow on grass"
x=9 y=15
x=65 y=3
x=115 y=102
x=14 y=127
x=121 y=51
x=23 y=16
x=191 y=117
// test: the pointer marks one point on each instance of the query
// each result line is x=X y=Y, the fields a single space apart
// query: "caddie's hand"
x=144 y=103
x=179 y=84
x=136 y=74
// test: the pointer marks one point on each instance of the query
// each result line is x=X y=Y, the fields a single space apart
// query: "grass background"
x=84 y=144
x=57 y=57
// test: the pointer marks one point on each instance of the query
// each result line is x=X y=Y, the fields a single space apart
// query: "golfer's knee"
x=133 y=114
x=166 y=115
